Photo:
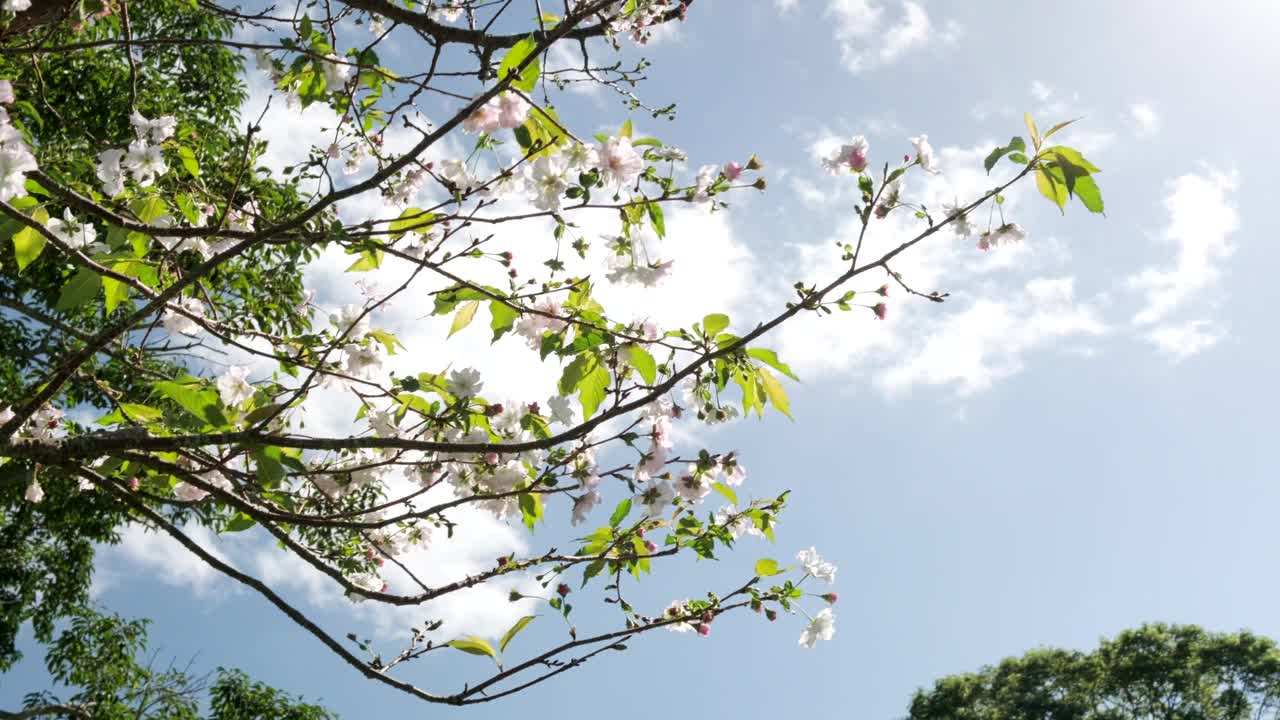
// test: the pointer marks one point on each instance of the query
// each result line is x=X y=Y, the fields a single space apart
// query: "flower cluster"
x=507 y=111
x=16 y=159
x=143 y=159
x=40 y=428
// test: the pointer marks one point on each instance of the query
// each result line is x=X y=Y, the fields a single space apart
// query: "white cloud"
x=867 y=41
x=1144 y=119
x=786 y=6
x=1180 y=342
x=1201 y=221
x=987 y=341
x=162 y=558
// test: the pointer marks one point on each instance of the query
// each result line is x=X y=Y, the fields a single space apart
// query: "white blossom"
x=6 y=92
x=707 y=176
x=546 y=179
x=178 y=322
x=817 y=567
x=821 y=627
x=78 y=235
x=619 y=162
x=336 y=72
x=850 y=157
x=1007 y=234
x=110 y=171
x=656 y=497
x=15 y=6
x=464 y=383
x=145 y=162
x=234 y=387
x=15 y=163
x=925 y=154
x=363 y=361
x=158 y=130
x=34 y=493
x=561 y=410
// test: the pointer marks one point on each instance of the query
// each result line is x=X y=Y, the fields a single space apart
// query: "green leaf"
x=515 y=629
x=726 y=491
x=713 y=324
x=80 y=289
x=528 y=79
x=531 y=509
x=620 y=513
x=140 y=413
x=239 y=523
x=465 y=314
x=1090 y=196
x=116 y=291
x=574 y=372
x=28 y=243
x=770 y=358
x=626 y=129
x=188 y=158
x=657 y=219
x=773 y=390
x=1016 y=144
x=202 y=403
x=369 y=260
x=766 y=567
x=474 y=646
x=269 y=466
x=148 y=208
x=1074 y=157
x=504 y=318
x=592 y=390
x=413 y=218
x=1050 y=183
x=643 y=362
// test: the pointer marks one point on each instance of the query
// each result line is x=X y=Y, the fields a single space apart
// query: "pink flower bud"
x=533 y=409
x=831 y=598
x=880 y=310
x=650 y=547
x=502 y=561
x=771 y=615
x=562 y=589
x=704 y=630
x=733 y=171
x=906 y=158
x=133 y=483
x=757 y=606
x=385 y=587
x=884 y=290
x=491 y=458
x=707 y=617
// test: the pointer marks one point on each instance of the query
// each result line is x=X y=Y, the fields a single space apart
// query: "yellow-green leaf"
x=1031 y=128
x=766 y=567
x=28 y=243
x=465 y=315
x=515 y=629
x=643 y=362
x=773 y=390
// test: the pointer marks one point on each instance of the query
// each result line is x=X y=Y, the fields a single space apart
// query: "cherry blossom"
x=158 y=130
x=464 y=383
x=561 y=410
x=924 y=154
x=546 y=179
x=76 y=234
x=15 y=163
x=1007 y=234
x=821 y=627
x=6 y=92
x=849 y=157
x=180 y=322
x=817 y=567
x=34 y=493
x=336 y=72
x=234 y=387
x=619 y=162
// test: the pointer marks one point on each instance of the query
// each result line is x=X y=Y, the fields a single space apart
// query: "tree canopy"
x=1154 y=672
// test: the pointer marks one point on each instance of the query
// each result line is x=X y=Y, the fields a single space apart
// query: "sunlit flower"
x=821 y=627
x=234 y=387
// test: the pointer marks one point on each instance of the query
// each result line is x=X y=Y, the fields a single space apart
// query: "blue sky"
x=1073 y=444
